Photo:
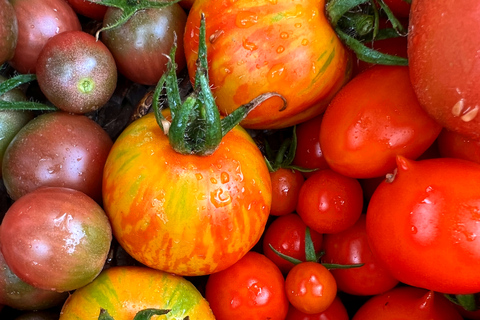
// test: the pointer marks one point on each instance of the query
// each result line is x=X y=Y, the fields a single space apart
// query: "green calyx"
x=196 y=126
x=466 y=301
x=146 y=314
x=14 y=82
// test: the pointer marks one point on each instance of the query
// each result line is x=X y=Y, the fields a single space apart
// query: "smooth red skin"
x=400 y=8
x=141 y=45
x=8 y=31
x=363 y=130
x=56 y=238
x=455 y=145
x=351 y=247
x=286 y=184
x=407 y=303
x=336 y=311
x=57 y=149
x=424 y=225
x=251 y=289
x=88 y=9
x=310 y=287
x=443 y=55
x=286 y=234
x=309 y=154
x=38 y=21
x=330 y=202
x=68 y=62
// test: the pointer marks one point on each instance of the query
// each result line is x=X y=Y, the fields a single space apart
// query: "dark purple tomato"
x=17 y=294
x=56 y=238
x=38 y=21
x=141 y=44
x=57 y=149
x=75 y=72
x=8 y=31
x=88 y=9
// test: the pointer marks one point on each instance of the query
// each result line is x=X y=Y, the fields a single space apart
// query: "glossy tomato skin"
x=56 y=238
x=336 y=311
x=251 y=289
x=286 y=184
x=286 y=234
x=428 y=237
x=38 y=21
x=124 y=291
x=8 y=31
x=76 y=72
x=88 y=9
x=255 y=47
x=57 y=149
x=351 y=247
x=445 y=84
x=362 y=131
x=454 y=145
x=141 y=45
x=186 y=214
x=407 y=303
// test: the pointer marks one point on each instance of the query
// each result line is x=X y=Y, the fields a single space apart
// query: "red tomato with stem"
x=454 y=145
x=336 y=311
x=251 y=289
x=286 y=184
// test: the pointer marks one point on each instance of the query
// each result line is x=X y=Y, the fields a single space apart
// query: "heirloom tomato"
x=185 y=214
x=260 y=46
x=8 y=31
x=124 y=291
x=423 y=224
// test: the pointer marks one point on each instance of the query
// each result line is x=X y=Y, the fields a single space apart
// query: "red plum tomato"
x=286 y=184
x=141 y=45
x=88 y=9
x=454 y=145
x=363 y=130
x=57 y=149
x=56 y=238
x=286 y=234
x=407 y=303
x=310 y=287
x=251 y=289
x=423 y=224
x=330 y=202
x=75 y=72
x=351 y=247
x=282 y=46
x=8 y=31
x=446 y=85
x=38 y=21
x=336 y=311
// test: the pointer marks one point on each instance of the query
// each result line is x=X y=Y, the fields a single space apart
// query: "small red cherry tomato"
x=336 y=311
x=286 y=184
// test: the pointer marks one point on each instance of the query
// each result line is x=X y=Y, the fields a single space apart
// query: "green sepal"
x=13 y=83
x=284 y=256
x=16 y=81
x=337 y=8
x=466 y=301
x=393 y=20
x=310 y=253
x=145 y=314
x=341 y=266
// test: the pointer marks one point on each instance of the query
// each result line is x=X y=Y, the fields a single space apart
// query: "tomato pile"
x=239 y=159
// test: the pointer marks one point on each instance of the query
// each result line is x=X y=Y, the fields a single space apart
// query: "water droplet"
x=249 y=45
x=224 y=177
x=246 y=19
x=284 y=35
x=414 y=229
x=280 y=49
x=199 y=176
x=298 y=25
x=304 y=42
x=220 y=198
x=276 y=73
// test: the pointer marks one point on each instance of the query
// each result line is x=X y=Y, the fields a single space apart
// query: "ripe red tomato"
x=336 y=311
x=286 y=184
x=286 y=234
x=330 y=202
x=363 y=130
x=310 y=287
x=8 y=31
x=454 y=145
x=427 y=237
x=443 y=57
x=251 y=289
x=265 y=46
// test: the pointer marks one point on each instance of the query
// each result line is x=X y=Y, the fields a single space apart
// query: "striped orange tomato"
x=124 y=291
x=185 y=214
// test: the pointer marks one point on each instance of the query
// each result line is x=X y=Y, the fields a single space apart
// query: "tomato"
x=186 y=214
x=427 y=237
x=38 y=21
x=442 y=58
x=186 y=4
x=286 y=234
x=57 y=149
x=8 y=31
x=351 y=247
x=251 y=289
x=407 y=303
x=75 y=72
x=123 y=291
x=262 y=46
x=310 y=287
x=55 y=238
x=454 y=145
x=363 y=130
x=336 y=311
x=286 y=184
x=330 y=202
x=88 y=9
x=141 y=45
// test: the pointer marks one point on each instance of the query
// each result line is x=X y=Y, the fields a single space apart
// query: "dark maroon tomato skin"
x=57 y=149
x=75 y=72
x=38 y=21
x=455 y=145
x=19 y=295
x=336 y=311
x=8 y=31
x=56 y=238
x=88 y=9
x=139 y=46
x=286 y=184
